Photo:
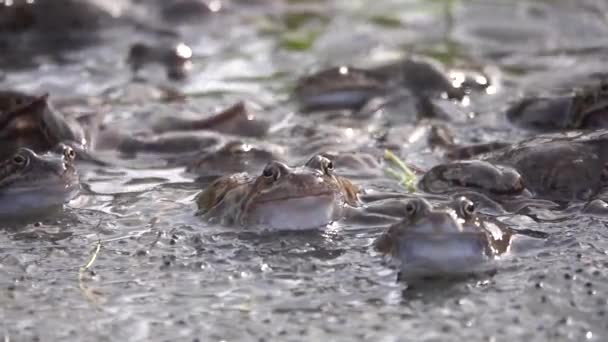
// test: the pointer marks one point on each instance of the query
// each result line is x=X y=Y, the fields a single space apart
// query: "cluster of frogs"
x=252 y=187
x=248 y=183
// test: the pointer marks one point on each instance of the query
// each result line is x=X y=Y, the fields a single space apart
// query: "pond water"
x=163 y=274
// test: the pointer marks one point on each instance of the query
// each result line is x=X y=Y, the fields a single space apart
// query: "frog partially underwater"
x=447 y=239
x=561 y=167
x=348 y=87
x=31 y=183
x=33 y=122
x=281 y=197
x=585 y=107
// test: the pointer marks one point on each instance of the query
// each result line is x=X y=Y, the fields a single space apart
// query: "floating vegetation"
x=386 y=21
x=400 y=171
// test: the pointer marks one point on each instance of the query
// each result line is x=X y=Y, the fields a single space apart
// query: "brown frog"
x=304 y=197
x=32 y=122
x=352 y=88
x=582 y=108
x=32 y=183
x=561 y=167
x=232 y=157
x=445 y=239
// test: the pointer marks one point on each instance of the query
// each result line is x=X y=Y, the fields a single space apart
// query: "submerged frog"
x=234 y=156
x=342 y=87
x=282 y=197
x=32 y=184
x=473 y=174
x=237 y=119
x=175 y=58
x=31 y=28
x=30 y=121
x=447 y=239
x=584 y=108
x=347 y=87
x=561 y=167
x=65 y=16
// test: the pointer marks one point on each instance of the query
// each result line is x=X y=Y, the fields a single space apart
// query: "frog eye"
x=69 y=153
x=467 y=207
x=327 y=166
x=321 y=163
x=271 y=171
x=20 y=160
x=237 y=147
x=16 y=102
x=411 y=208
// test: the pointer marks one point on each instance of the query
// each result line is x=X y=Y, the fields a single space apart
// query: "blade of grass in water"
x=402 y=172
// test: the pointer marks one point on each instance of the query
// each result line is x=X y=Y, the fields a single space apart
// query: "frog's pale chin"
x=445 y=254
x=32 y=200
x=337 y=100
x=300 y=213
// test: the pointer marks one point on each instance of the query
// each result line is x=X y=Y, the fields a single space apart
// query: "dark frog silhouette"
x=561 y=167
x=583 y=108
x=30 y=121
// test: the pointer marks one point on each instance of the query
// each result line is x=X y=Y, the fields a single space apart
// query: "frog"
x=353 y=88
x=342 y=87
x=176 y=58
x=31 y=121
x=305 y=197
x=232 y=157
x=32 y=28
x=444 y=239
x=562 y=167
x=32 y=184
x=583 y=107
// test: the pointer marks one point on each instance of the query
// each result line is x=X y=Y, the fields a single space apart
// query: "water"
x=161 y=274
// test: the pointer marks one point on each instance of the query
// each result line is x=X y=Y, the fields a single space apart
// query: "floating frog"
x=30 y=121
x=561 y=167
x=445 y=239
x=584 y=108
x=347 y=87
x=304 y=197
x=31 y=184
x=234 y=156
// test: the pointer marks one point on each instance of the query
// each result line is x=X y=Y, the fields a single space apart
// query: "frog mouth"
x=441 y=254
x=35 y=194
x=58 y=178
x=294 y=212
x=304 y=194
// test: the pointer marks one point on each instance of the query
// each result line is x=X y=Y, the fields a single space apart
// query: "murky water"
x=161 y=274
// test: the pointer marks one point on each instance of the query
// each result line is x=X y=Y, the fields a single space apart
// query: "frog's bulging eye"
x=327 y=166
x=321 y=163
x=19 y=160
x=267 y=172
x=69 y=153
x=411 y=208
x=467 y=207
x=271 y=171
